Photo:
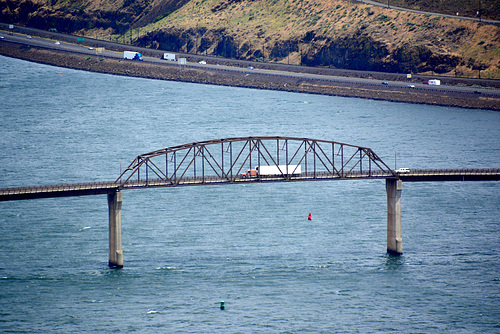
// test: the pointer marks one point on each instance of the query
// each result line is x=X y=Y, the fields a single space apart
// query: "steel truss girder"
x=199 y=161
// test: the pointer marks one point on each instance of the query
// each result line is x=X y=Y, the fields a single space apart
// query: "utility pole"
x=300 y=59
x=395 y=165
x=288 y=54
x=479 y=11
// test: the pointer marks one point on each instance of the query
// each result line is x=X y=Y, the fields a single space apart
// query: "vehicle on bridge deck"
x=272 y=170
x=249 y=173
x=402 y=170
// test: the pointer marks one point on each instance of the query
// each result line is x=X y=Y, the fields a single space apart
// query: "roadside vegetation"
x=332 y=33
x=485 y=9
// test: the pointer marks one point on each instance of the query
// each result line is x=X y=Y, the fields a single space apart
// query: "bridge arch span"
x=252 y=159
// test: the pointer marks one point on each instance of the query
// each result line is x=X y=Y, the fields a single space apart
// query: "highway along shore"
x=64 y=51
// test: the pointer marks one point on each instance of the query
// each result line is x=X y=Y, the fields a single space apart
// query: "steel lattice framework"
x=226 y=160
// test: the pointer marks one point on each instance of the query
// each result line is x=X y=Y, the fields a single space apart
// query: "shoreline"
x=98 y=64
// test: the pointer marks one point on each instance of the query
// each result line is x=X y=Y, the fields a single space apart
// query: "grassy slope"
x=488 y=9
x=262 y=23
x=89 y=17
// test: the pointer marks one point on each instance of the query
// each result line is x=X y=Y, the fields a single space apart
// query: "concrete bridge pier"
x=394 y=233
x=115 y=230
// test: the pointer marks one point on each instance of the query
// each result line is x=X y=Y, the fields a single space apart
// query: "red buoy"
x=309 y=217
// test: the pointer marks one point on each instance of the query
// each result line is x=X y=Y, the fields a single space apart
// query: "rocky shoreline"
x=240 y=79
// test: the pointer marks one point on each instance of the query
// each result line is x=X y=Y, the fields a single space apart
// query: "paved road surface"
x=278 y=69
x=379 y=4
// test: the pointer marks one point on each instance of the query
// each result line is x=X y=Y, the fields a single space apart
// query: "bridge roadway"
x=110 y=187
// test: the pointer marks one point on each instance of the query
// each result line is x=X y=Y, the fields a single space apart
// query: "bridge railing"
x=188 y=181
x=107 y=187
x=58 y=188
x=245 y=157
x=461 y=171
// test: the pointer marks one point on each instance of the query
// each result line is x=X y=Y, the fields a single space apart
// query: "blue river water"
x=187 y=249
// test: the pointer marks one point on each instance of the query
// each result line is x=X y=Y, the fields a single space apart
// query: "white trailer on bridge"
x=278 y=170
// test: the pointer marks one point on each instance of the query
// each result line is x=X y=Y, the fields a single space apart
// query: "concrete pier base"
x=115 y=230
x=394 y=232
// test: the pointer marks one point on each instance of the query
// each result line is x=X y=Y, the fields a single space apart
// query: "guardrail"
x=106 y=187
x=460 y=171
x=58 y=190
x=469 y=174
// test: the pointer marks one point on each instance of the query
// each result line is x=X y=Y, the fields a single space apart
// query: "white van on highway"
x=402 y=170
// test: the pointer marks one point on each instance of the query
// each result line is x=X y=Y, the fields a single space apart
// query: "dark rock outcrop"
x=358 y=52
x=73 y=16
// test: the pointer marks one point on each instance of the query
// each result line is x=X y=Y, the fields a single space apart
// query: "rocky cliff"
x=86 y=16
x=331 y=33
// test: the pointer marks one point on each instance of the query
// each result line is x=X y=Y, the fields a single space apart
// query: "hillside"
x=96 y=17
x=334 y=33
x=486 y=9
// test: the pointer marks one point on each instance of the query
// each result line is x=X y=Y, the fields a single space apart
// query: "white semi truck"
x=132 y=55
x=169 y=56
x=433 y=82
x=272 y=171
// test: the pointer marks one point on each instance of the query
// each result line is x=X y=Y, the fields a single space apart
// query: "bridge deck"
x=472 y=174
x=107 y=187
x=58 y=190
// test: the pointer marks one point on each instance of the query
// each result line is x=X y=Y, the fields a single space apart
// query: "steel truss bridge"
x=223 y=161
x=228 y=161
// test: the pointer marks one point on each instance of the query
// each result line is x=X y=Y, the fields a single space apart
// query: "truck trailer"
x=272 y=171
x=169 y=56
x=132 y=55
x=433 y=82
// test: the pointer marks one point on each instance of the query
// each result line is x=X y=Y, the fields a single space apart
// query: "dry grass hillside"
x=95 y=17
x=487 y=9
x=331 y=33
x=334 y=33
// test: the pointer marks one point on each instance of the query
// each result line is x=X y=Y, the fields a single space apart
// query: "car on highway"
x=411 y=86
x=385 y=83
x=202 y=62
x=58 y=43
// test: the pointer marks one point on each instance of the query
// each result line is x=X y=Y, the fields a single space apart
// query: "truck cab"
x=249 y=173
x=132 y=55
